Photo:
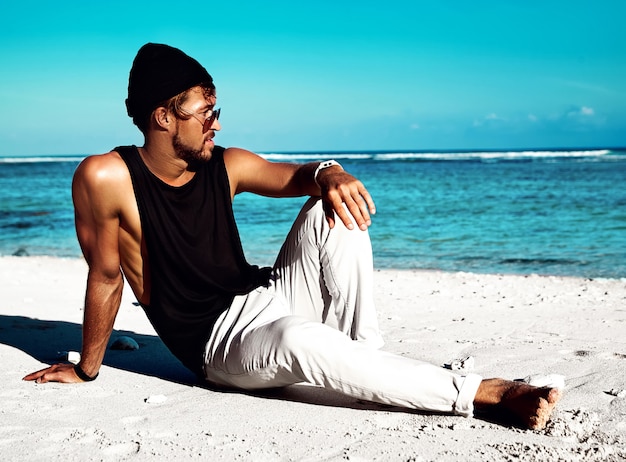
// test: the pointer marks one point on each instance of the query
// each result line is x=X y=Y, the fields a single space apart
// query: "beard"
x=189 y=154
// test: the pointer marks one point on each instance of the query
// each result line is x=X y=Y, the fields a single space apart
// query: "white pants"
x=316 y=323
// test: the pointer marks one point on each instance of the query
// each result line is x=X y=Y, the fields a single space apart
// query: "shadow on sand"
x=47 y=340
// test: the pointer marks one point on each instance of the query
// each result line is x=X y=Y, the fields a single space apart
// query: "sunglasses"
x=207 y=123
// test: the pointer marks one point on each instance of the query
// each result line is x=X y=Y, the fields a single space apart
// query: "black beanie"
x=160 y=72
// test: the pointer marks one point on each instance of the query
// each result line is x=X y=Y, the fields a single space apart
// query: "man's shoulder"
x=239 y=156
x=105 y=167
x=234 y=151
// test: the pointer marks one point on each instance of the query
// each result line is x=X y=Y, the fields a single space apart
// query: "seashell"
x=156 y=399
x=464 y=364
x=70 y=356
x=73 y=357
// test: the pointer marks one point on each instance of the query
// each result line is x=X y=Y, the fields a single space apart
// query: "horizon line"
x=378 y=151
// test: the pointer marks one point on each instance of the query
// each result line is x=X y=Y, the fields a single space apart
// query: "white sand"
x=512 y=326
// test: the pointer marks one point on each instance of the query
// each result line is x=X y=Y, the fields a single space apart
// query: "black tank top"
x=195 y=257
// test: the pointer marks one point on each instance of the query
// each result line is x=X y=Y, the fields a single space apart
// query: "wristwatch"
x=322 y=166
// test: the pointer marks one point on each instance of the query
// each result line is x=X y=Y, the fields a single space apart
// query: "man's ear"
x=162 y=118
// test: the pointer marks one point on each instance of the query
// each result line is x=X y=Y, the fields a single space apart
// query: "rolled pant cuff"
x=469 y=384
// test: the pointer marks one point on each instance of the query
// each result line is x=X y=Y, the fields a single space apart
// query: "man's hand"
x=57 y=373
x=339 y=187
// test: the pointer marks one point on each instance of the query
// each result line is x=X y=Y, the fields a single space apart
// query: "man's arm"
x=97 y=212
x=248 y=172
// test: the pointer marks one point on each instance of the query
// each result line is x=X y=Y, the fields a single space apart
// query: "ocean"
x=558 y=212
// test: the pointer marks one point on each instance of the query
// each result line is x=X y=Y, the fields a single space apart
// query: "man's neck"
x=166 y=165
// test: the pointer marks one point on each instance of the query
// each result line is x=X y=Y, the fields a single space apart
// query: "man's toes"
x=554 y=395
x=537 y=423
x=545 y=406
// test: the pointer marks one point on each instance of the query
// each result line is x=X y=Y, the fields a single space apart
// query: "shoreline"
x=376 y=269
x=145 y=405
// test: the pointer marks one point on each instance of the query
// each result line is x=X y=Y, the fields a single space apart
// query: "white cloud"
x=578 y=112
x=490 y=120
x=581 y=118
x=587 y=111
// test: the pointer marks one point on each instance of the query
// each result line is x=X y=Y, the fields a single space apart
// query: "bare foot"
x=532 y=405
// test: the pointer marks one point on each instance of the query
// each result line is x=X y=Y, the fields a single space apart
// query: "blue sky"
x=325 y=75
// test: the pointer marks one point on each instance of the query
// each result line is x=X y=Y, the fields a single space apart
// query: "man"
x=161 y=216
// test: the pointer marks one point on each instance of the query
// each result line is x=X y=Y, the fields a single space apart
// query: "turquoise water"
x=554 y=212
